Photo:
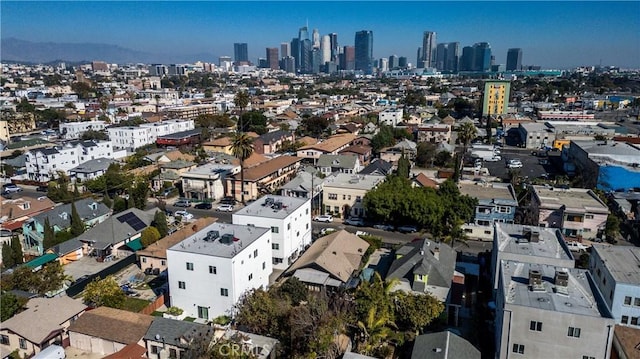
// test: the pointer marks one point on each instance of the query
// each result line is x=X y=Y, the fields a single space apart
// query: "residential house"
x=168 y=156
x=211 y=269
x=171 y=172
x=391 y=116
x=68 y=251
x=405 y=147
x=222 y=144
x=264 y=178
x=208 y=182
x=105 y=330
x=528 y=244
x=289 y=219
x=422 y=180
x=378 y=167
x=434 y=133
x=154 y=256
x=364 y=153
x=545 y=311
x=497 y=202
x=343 y=193
x=168 y=127
x=90 y=211
x=443 y=345
x=625 y=342
x=15 y=212
x=43 y=322
x=331 y=146
x=170 y=338
x=75 y=130
x=91 y=169
x=117 y=233
x=328 y=164
x=260 y=346
x=271 y=142
x=616 y=270
x=130 y=138
x=428 y=267
x=579 y=212
x=330 y=261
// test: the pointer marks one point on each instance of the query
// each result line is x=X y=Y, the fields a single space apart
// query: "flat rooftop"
x=345 y=180
x=511 y=239
x=577 y=298
x=489 y=191
x=623 y=262
x=243 y=236
x=604 y=151
x=577 y=199
x=266 y=207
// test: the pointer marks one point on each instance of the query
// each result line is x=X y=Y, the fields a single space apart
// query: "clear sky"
x=551 y=34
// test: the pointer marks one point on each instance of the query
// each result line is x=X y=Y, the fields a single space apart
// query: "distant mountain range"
x=16 y=50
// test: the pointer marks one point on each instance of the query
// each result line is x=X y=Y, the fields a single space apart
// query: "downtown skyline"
x=552 y=35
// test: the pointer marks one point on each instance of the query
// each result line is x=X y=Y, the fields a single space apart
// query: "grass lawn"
x=134 y=304
x=189 y=319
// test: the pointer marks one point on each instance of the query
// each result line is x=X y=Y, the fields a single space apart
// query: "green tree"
x=425 y=154
x=242 y=148
x=375 y=329
x=10 y=305
x=466 y=133
x=7 y=256
x=49 y=237
x=94 y=135
x=149 y=236
x=415 y=312
x=50 y=278
x=25 y=106
x=260 y=312
x=16 y=250
x=140 y=193
x=404 y=167
x=384 y=138
x=254 y=121
x=119 y=204
x=105 y=292
x=315 y=125
x=241 y=100
x=77 y=226
x=415 y=98
x=295 y=290
x=612 y=226
x=160 y=223
x=442 y=159
x=106 y=200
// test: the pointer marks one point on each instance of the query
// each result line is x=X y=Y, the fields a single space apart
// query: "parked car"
x=10 y=188
x=183 y=203
x=407 y=229
x=203 y=205
x=225 y=208
x=323 y=218
x=514 y=163
x=186 y=216
x=543 y=161
x=5 y=233
x=576 y=247
x=495 y=158
x=42 y=188
x=228 y=200
x=358 y=222
x=167 y=192
x=384 y=227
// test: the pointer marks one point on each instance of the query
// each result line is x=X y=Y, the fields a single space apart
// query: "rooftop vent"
x=534 y=236
x=277 y=206
x=226 y=238
x=354 y=179
x=561 y=279
x=535 y=280
x=268 y=202
x=212 y=236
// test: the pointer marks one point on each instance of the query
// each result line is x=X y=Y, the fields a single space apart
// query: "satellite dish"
x=157 y=336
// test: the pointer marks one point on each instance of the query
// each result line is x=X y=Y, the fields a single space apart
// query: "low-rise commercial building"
x=607 y=165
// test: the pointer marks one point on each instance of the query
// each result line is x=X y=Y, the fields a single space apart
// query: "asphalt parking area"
x=531 y=166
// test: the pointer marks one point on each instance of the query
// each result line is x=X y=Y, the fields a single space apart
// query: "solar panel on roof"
x=126 y=217
x=137 y=224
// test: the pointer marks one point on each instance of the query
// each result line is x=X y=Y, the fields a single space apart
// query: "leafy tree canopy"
x=105 y=292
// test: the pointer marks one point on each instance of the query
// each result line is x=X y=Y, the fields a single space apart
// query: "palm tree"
x=242 y=148
x=375 y=331
x=241 y=100
x=467 y=132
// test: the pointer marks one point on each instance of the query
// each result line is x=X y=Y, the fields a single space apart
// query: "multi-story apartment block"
x=545 y=311
x=211 y=269
x=496 y=97
x=343 y=193
x=391 y=116
x=74 y=130
x=331 y=146
x=168 y=127
x=616 y=270
x=496 y=203
x=434 y=133
x=266 y=177
x=577 y=211
x=130 y=138
x=207 y=182
x=528 y=244
x=191 y=112
x=44 y=164
x=290 y=221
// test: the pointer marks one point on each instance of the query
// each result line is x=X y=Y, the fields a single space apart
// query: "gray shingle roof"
x=378 y=166
x=113 y=231
x=443 y=345
x=60 y=216
x=175 y=332
x=337 y=161
x=92 y=166
x=418 y=258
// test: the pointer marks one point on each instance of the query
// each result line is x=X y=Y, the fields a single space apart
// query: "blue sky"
x=551 y=34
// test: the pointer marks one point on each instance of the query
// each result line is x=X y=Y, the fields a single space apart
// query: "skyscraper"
x=240 y=52
x=402 y=62
x=393 y=62
x=272 y=58
x=305 y=56
x=295 y=52
x=325 y=49
x=453 y=57
x=334 y=46
x=364 y=51
x=303 y=33
x=481 y=56
x=441 y=56
x=419 y=63
x=466 y=61
x=383 y=64
x=348 y=58
x=316 y=39
x=514 y=59
x=285 y=49
x=428 y=48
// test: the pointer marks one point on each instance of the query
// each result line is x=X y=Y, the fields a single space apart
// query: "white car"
x=323 y=218
x=515 y=165
x=495 y=158
x=576 y=246
x=186 y=216
x=225 y=208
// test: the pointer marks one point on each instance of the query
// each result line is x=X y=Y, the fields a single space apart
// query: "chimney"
x=535 y=280
x=561 y=279
x=436 y=253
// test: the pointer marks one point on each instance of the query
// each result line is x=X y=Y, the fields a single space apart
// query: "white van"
x=51 y=352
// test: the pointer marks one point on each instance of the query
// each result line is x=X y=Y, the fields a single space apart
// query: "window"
x=358 y=198
x=274 y=229
x=173 y=354
x=275 y=246
x=636 y=302
x=634 y=320
x=587 y=357
x=189 y=266
x=4 y=339
x=155 y=349
x=203 y=312
x=307 y=226
x=574 y=332
x=627 y=300
x=536 y=326
x=224 y=292
x=288 y=225
x=182 y=285
x=163 y=262
x=598 y=272
x=625 y=319
x=276 y=260
x=250 y=276
x=23 y=343
x=333 y=196
x=255 y=253
x=518 y=348
x=588 y=216
x=144 y=259
x=213 y=270
x=344 y=197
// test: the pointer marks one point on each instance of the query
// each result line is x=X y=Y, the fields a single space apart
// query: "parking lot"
x=531 y=167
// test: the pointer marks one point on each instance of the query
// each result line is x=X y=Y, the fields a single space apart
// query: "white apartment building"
x=210 y=270
x=391 y=116
x=168 y=127
x=43 y=164
x=130 y=138
x=544 y=311
x=73 y=130
x=290 y=221
x=616 y=270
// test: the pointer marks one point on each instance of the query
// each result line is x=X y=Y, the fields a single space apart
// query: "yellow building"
x=496 y=97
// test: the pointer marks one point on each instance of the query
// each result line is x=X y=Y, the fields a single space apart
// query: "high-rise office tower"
x=364 y=51
x=481 y=56
x=303 y=33
x=295 y=51
x=383 y=64
x=305 y=56
x=393 y=62
x=428 y=48
x=466 y=60
x=441 y=56
x=316 y=61
x=316 y=39
x=419 y=63
x=348 y=58
x=514 y=59
x=272 y=58
x=325 y=49
x=262 y=63
x=403 y=63
x=288 y=64
x=240 y=52
x=334 y=46
x=453 y=57
x=285 y=49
